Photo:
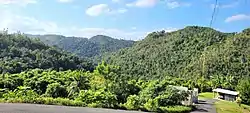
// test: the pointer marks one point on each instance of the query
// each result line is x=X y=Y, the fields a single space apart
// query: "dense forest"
x=135 y=78
x=96 y=46
x=195 y=53
x=19 y=53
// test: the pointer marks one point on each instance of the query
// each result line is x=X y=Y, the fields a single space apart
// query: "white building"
x=225 y=94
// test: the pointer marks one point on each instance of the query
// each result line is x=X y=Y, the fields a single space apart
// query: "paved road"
x=34 y=108
x=206 y=106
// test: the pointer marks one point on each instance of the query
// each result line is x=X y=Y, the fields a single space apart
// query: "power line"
x=213 y=14
x=216 y=13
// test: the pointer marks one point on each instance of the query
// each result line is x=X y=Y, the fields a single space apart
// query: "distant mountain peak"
x=84 y=47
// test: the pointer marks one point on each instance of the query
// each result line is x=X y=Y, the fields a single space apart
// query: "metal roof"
x=219 y=90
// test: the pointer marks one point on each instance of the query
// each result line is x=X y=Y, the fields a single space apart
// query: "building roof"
x=219 y=90
x=180 y=88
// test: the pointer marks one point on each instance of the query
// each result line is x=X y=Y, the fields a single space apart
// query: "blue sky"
x=126 y=19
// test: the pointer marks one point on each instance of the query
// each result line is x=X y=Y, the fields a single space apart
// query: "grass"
x=46 y=101
x=231 y=107
x=206 y=95
x=175 y=109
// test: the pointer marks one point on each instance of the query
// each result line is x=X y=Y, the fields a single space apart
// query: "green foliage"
x=152 y=105
x=98 y=98
x=139 y=78
x=123 y=89
x=47 y=101
x=56 y=90
x=244 y=90
x=22 y=94
x=19 y=53
x=197 y=56
x=166 y=54
x=92 y=89
x=171 y=97
x=176 y=109
x=83 y=47
x=133 y=102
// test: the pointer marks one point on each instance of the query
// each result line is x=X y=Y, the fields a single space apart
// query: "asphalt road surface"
x=34 y=108
x=205 y=106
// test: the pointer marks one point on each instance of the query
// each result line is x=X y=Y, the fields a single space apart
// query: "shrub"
x=21 y=95
x=98 y=98
x=46 y=100
x=244 y=90
x=151 y=105
x=56 y=90
x=60 y=101
x=133 y=102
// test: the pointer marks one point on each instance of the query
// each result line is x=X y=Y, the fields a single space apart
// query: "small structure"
x=225 y=94
x=193 y=95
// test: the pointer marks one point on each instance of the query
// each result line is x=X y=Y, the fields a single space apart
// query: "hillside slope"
x=84 y=47
x=19 y=53
x=191 y=52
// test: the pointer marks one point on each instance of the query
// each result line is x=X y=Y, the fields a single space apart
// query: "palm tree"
x=80 y=82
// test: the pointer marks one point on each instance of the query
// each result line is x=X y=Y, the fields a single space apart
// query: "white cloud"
x=151 y=3
x=173 y=4
x=19 y=2
x=238 y=17
x=65 y=1
x=143 y=3
x=100 y=9
x=97 y=10
x=24 y=24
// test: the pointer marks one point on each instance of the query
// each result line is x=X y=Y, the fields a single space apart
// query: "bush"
x=171 y=97
x=60 y=101
x=56 y=90
x=175 y=109
x=133 y=102
x=46 y=101
x=21 y=95
x=152 y=105
x=98 y=98
x=2 y=91
x=244 y=90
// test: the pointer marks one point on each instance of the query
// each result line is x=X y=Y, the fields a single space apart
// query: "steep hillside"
x=19 y=53
x=190 y=52
x=84 y=47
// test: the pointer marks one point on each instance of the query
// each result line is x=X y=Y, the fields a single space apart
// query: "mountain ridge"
x=84 y=47
x=181 y=53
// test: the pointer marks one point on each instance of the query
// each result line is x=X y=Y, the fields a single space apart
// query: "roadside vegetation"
x=100 y=88
x=231 y=107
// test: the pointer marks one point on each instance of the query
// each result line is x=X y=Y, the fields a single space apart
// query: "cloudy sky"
x=126 y=19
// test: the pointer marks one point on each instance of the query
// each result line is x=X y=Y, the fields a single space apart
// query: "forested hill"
x=19 y=53
x=85 y=47
x=190 y=52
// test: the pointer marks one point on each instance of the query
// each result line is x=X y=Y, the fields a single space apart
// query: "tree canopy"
x=192 y=52
x=96 y=46
x=19 y=53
